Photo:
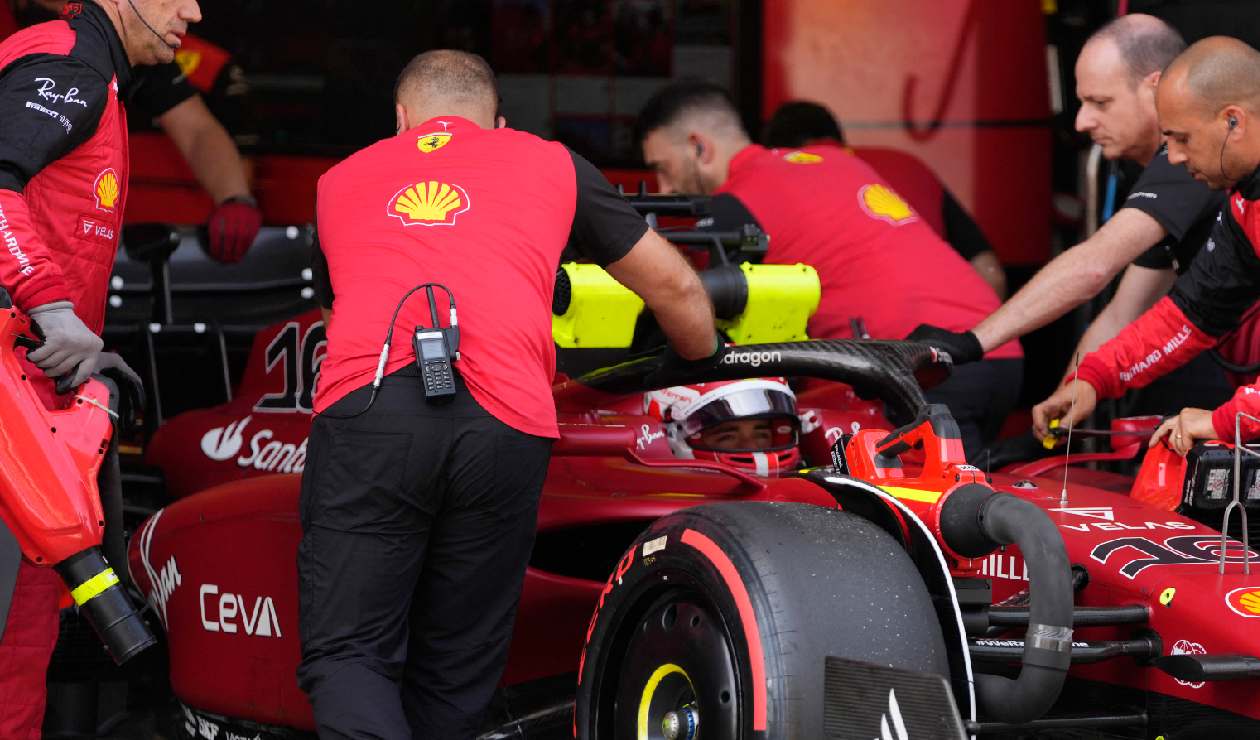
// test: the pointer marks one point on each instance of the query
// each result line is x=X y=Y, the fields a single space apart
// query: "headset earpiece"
x=1233 y=122
x=699 y=149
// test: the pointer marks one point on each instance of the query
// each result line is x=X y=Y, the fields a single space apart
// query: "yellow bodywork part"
x=600 y=311
x=781 y=299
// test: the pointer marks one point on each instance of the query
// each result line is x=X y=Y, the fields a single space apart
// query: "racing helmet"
x=700 y=422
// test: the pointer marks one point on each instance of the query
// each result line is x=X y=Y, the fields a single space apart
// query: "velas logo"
x=433 y=142
x=429 y=203
x=882 y=203
x=802 y=158
x=1245 y=602
x=107 y=188
x=188 y=61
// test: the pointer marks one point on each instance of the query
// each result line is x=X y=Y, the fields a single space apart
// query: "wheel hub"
x=680 y=724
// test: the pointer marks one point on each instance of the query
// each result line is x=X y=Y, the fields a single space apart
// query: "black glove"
x=962 y=347
x=674 y=364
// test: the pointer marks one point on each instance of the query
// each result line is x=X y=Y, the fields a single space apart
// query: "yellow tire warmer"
x=771 y=303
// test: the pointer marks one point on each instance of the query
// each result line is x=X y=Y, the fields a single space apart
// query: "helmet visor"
x=766 y=422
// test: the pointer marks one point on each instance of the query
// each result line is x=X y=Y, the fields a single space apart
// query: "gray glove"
x=69 y=348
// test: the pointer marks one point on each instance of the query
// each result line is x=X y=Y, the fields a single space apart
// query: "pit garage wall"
x=962 y=84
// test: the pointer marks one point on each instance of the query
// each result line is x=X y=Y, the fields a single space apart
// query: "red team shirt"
x=487 y=213
x=877 y=259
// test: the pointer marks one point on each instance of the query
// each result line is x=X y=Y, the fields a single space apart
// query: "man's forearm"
x=1072 y=278
x=1099 y=333
x=209 y=150
x=1067 y=282
x=1138 y=291
x=688 y=321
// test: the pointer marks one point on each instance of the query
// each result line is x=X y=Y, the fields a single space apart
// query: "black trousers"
x=980 y=396
x=417 y=523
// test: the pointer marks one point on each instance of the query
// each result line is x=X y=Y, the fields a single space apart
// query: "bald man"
x=418 y=513
x=1156 y=232
x=1209 y=109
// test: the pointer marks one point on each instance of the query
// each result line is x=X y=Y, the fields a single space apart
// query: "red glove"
x=233 y=225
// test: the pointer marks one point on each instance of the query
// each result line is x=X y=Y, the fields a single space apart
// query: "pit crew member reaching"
x=1209 y=110
x=1152 y=238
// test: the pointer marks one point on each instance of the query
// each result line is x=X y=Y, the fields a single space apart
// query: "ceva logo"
x=229 y=613
x=223 y=443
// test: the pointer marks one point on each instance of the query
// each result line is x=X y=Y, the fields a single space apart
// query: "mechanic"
x=749 y=424
x=801 y=123
x=1156 y=232
x=1209 y=110
x=169 y=95
x=883 y=270
x=63 y=185
x=418 y=519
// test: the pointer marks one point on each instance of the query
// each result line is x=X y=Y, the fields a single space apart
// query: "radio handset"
x=437 y=348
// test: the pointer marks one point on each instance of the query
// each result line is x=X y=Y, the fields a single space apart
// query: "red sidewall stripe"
x=756 y=657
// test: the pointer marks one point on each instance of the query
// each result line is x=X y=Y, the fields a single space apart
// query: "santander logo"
x=223 y=443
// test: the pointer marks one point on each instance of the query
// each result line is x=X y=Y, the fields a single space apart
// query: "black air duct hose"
x=727 y=288
x=974 y=520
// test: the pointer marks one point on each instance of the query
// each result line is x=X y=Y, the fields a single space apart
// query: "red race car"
x=889 y=590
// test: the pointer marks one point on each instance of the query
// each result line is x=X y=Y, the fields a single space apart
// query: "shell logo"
x=1245 y=602
x=881 y=202
x=188 y=61
x=432 y=142
x=107 y=189
x=429 y=203
x=802 y=158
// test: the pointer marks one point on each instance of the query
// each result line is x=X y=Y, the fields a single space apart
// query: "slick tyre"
x=718 y=619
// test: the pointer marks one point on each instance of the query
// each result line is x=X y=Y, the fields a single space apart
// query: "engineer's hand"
x=69 y=346
x=232 y=228
x=1180 y=432
x=1060 y=406
x=963 y=346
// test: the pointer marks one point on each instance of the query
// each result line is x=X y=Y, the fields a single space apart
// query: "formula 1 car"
x=890 y=591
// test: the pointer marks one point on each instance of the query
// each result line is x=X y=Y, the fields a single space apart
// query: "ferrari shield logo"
x=802 y=158
x=106 y=190
x=882 y=203
x=429 y=203
x=188 y=61
x=433 y=142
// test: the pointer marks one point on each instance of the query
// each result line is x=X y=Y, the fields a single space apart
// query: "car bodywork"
x=1163 y=605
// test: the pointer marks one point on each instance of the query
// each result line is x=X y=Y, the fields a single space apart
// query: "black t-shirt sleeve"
x=1158 y=257
x=155 y=90
x=49 y=105
x=605 y=227
x=961 y=230
x=1178 y=202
